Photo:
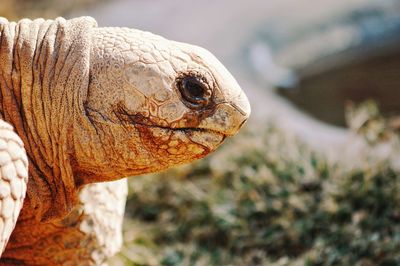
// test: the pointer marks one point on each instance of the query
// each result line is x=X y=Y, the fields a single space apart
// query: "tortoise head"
x=152 y=104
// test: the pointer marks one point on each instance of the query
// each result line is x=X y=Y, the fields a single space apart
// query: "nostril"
x=241 y=124
x=243 y=108
x=240 y=110
x=242 y=105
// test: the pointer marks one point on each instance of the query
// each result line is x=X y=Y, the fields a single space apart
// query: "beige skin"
x=97 y=104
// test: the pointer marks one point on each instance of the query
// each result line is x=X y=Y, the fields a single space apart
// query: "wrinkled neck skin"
x=108 y=145
x=43 y=74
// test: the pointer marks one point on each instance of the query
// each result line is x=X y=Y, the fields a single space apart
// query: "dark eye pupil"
x=194 y=87
x=194 y=91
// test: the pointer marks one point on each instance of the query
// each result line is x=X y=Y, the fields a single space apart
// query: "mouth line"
x=184 y=129
x=187 y=131
x=139 y=120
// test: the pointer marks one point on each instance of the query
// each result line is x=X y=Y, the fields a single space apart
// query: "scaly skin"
x=13 y=179
x=99 y=104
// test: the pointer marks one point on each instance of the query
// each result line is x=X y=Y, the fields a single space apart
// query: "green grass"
x=265 y=198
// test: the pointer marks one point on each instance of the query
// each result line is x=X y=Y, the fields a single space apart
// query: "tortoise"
x=82 y=105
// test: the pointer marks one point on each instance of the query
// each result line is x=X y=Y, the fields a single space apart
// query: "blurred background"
x=313 y=179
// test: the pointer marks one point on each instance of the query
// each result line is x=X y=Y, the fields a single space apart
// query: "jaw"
x=192 y=141
x=205 y=137
x=172 y=146
x=128 y=145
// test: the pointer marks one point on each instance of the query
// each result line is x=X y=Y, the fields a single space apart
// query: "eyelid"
x=196 y=102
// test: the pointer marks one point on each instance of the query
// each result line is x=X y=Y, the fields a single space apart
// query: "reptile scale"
x=80 y=105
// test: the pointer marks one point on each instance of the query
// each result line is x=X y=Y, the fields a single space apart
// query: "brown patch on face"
x=192 y=119
x=180 y=142
x=170 y=146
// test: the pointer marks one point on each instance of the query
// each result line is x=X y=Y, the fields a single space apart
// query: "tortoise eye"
x=194 y=91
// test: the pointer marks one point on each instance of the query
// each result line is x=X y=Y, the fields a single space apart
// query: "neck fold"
x=44 y=70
